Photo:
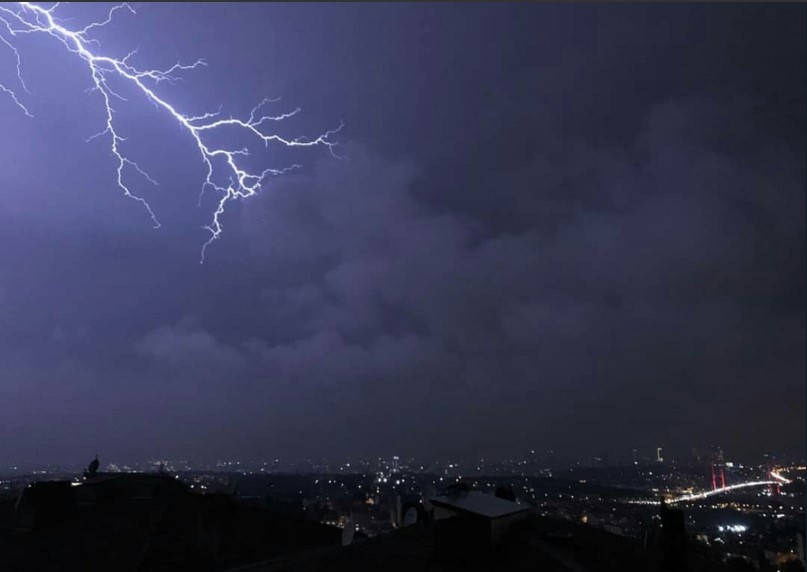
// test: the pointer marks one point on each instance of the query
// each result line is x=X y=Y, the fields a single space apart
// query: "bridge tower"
x=778 y=488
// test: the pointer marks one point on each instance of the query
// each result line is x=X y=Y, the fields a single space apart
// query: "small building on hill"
x=474 y=517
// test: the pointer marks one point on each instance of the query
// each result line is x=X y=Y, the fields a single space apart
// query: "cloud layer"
x=517 y=279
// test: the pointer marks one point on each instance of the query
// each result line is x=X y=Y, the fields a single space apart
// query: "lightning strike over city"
x=549 y=315
x=226 y=175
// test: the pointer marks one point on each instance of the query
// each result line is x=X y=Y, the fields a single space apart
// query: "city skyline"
x=526 y=461
x=567 y=227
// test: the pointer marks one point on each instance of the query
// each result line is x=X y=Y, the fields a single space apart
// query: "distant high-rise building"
x=395 y=464
x=659 y=458
x=635 y=458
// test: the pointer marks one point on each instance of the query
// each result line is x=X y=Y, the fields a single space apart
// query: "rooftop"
x=548 y=545
x=480 y=503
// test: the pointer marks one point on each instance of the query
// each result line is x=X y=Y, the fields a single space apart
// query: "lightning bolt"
x=221 y=163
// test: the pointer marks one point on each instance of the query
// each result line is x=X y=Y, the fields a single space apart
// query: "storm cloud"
x=588 y=240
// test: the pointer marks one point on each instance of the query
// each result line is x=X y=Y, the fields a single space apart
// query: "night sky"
x=568 y=227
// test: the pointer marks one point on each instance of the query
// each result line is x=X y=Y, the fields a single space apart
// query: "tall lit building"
x=659 y=458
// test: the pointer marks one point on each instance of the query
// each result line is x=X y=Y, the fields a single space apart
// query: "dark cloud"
x=588 y=239
x=657 y=284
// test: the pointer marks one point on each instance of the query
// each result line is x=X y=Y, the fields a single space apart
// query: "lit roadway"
x=776 y=479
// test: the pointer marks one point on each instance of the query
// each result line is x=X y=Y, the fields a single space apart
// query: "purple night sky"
x=576 y=227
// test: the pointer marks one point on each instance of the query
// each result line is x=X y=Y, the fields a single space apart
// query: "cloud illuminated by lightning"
x=18 y=18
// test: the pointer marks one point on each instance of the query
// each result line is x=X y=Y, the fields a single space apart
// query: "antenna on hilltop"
x=92 y=468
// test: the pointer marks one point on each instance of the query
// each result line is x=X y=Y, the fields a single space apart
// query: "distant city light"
x=738 y=528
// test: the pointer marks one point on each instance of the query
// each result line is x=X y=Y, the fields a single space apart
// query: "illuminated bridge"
x=775 y=479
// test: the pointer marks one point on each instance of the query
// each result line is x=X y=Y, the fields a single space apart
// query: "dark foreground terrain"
x=152 y=522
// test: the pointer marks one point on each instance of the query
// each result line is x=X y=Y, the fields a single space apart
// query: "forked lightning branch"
x=226 y=173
